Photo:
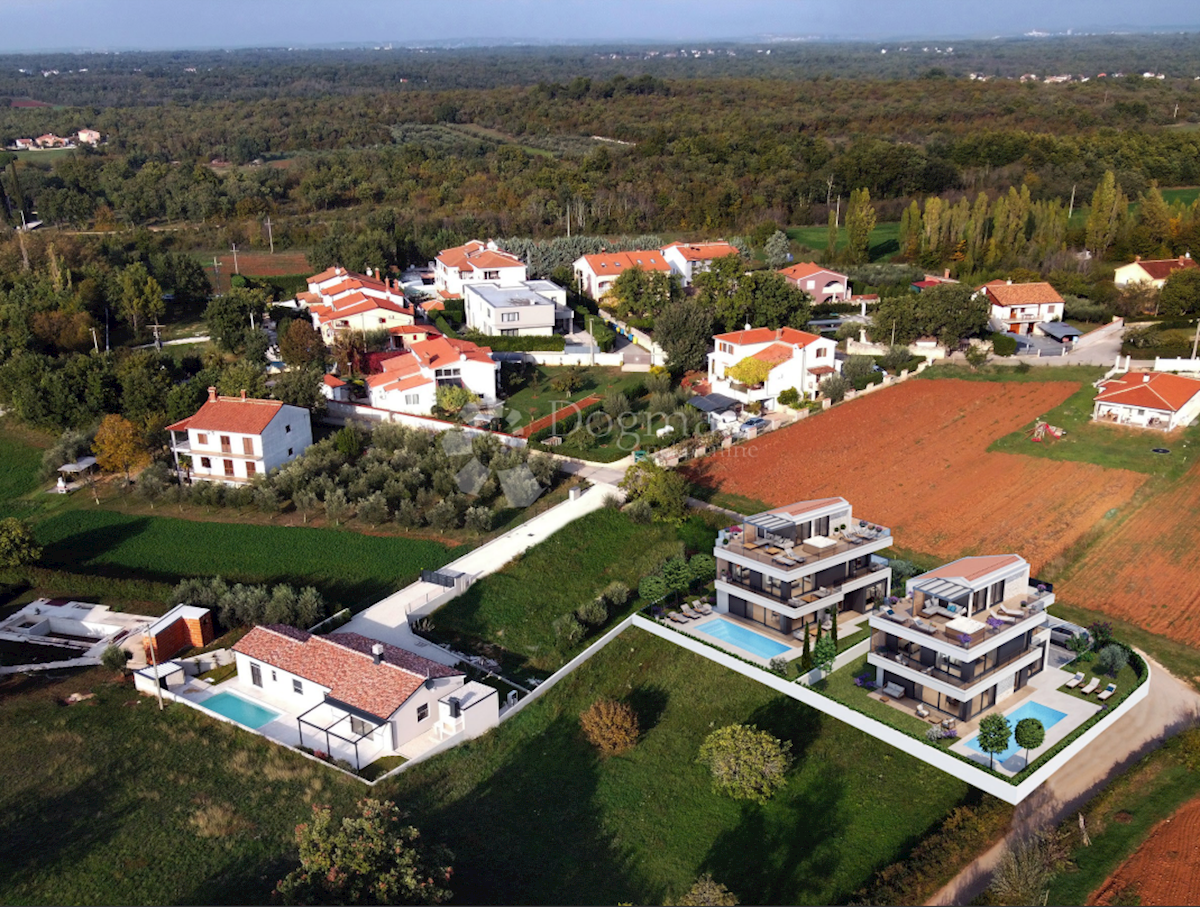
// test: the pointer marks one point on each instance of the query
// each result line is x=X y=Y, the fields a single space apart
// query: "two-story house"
x=1019 y=308
x=796 y=358
x=340 y=300
x=595 y=274
x=966 y=636
x=1152 y=272
x=822 y=284
x=409 y=382
x=475 y=262
x=529 y=308
x=234 y=439
x=689 y=259
x=788 y=568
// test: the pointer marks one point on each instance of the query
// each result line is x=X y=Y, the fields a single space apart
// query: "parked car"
x=725 y=421
x=757 y=423
x=1063 y=632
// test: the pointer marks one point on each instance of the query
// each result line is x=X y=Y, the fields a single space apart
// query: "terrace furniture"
x=688 y=612
x=922 y=712
x=924 y=627
x=676 y=617
x=1076 y=680
x=702 y=606
x=1091 y=687
x=1005 y=618
x=784 y=561
x=1108 y=691
x=773 y=550
x=894 y=690
x=949 y=723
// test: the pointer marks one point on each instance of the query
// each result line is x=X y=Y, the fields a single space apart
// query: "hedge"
x=1003 y=345
x=604 y=336
x=555 y=343
x=444 y=326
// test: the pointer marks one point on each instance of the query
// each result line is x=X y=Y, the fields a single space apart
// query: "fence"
x=340 y=413
x=574 y=356
x=1176 y=365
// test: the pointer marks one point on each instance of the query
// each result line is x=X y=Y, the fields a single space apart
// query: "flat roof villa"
x=50 y=632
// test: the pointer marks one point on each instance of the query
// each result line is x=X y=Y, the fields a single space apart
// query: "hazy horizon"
x=34 y=26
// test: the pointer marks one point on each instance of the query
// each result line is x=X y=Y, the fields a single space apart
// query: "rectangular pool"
x=243 y=711
x=741 y=638
x=1043 y=713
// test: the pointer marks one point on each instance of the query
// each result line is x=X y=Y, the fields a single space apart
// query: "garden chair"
x=1108 y=691
x=702 y=606
x=676 y=617
x=1091 y=687
x=1076 y=680
x=689 y=612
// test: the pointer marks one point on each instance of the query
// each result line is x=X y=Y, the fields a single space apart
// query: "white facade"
x=595 y=274
x=1155 y=400
x=475 y=262
x=409 y=383
x=528 y=308
x=691 y=259
x=801 y=360
x=1152 y=273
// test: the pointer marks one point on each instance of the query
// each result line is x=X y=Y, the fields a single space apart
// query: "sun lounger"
x=1076 y=680
x=924 y=627
x=702 y=607
x=1005 y=618
x=1003 y=610
x=689 y=612
x=1091 y=687
x=1108 y=691
x=676 y=617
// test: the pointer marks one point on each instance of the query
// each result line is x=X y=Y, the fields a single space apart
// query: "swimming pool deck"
x=848 y=622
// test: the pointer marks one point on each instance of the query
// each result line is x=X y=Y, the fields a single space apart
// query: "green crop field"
x=349 y=569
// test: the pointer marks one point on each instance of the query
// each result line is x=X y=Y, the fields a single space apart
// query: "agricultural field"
x=885 y=239
x=915 y=458
x=1144 y=570
x=19 y=464
x=1165 y=869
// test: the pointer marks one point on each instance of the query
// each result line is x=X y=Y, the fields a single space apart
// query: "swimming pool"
x=1043 y=713
x=742 y=638
x=235 y=708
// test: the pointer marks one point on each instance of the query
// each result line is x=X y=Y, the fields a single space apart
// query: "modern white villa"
x=797 y=359
x=234 y=439
x=965 y=637
x=524 y=309
x=792 y=568
x=1157 y=400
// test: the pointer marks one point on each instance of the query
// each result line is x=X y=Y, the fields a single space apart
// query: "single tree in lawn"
x=18 y=547
x=777 y=250
x=860 y=223
x=371 y=858
x=746 y=763
x=684 y=331
x=1029 y=734
x=994 y=734
x=119 y=446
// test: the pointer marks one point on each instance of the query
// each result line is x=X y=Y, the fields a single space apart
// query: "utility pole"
x=568 y=220
x=1196 y=340
x=95 y=340
x=1175 y=115
x=21 y=240
x=1071 y=207
x=235 y=264
x=154 y=664
x=270 y=236
x=838 y=216
x=157 y=338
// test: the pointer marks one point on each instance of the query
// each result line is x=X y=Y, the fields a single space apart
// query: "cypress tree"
x=806 y=652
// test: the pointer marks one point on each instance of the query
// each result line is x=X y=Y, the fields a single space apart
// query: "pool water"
x=742 y=638
x=235 y=708
x=1043 y=713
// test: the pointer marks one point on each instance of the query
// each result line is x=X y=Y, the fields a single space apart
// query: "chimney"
x=1146 y=378
x=212 y=395
x=462 y=357
x=243 y=395
x=747 y=327
x=1010 y=281
x=368 y=270
x=377 y=652
x=1137 y=258
x=778 y=333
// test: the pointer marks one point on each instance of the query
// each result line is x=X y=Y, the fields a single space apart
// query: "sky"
x=34 y=25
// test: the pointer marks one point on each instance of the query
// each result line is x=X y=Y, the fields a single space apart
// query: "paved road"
x=1171 y=706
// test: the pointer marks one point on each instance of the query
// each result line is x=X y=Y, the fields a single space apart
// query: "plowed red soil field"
x=1145 y=570
x=1165 y=869
x=914 y=457
x=264 y=264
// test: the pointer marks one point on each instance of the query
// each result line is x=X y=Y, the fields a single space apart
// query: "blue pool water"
x=742 y=638
x=240 y=710
x=1043 y=713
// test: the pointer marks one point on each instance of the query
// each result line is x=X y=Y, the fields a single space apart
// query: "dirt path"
x=1171 y=706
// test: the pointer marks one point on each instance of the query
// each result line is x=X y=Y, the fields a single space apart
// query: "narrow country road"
x=1171 y=706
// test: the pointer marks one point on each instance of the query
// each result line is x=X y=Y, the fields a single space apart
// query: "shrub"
x=568 y=630
x=1003 y=345
x=18 y=545
x=858 y=370
x=593 y=613
x=778 y=664
x=610 y=726
x=1027 y=869
x=824 y=652
x=789 y=397
x=1023 y=368
x=1111 y=659
x=114 y=658
x=640 y=512
x=896 y=358
x=615 y=594
x=707 y=892
x=702 y=568
x=976 y=356
x=834 y=387
x=746 y=763
x=478 y=519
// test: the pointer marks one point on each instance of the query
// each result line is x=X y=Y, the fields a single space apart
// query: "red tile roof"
x=616 y=262
x=1149 y=390
x=438 y=352
x=766 y=335
x=973 y=568
x=477 y=256
x=1162 y=268
x=1004 y=293
x=343 y=663
x=703 y=251
x=804 y=269
x=231 y=414
x=333 y=381
x=358 y=304
x=821 y=370
x=775 y=354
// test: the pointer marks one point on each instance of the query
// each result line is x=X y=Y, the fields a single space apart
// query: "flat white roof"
x=179 y=612
x=521 y=296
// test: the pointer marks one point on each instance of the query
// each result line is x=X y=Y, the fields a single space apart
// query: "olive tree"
x=746 y=763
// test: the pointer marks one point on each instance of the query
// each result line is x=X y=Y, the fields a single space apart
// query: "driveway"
x=1171 y=706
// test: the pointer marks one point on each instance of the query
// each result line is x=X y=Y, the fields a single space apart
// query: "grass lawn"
x=735 y=502
x=534 y=402
x=1121 y=817
x=535 y=816
x=885 y=238
x=19 y=464
x=514 y=608
x=1126 y=681
x=349 y=569
x=840 y=686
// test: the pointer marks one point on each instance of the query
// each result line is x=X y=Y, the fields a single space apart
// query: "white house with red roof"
x=234 y=439
x=595 y=274
x=797 y=358
x=822 y=284
x=1019 y=308
x=967 y=636
x=475 y=262
x=1152 y=272
x=334 y=388
x=409 y=382
x=1158 y=400
x=689 y=259
x=88 y=137
x=340 y=300
x=355 y=698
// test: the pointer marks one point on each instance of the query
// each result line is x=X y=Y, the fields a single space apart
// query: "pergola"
x=336 y=724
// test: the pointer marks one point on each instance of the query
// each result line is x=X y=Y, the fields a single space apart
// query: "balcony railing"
x=805 y=599
x=935 y=673
x=804 y=555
